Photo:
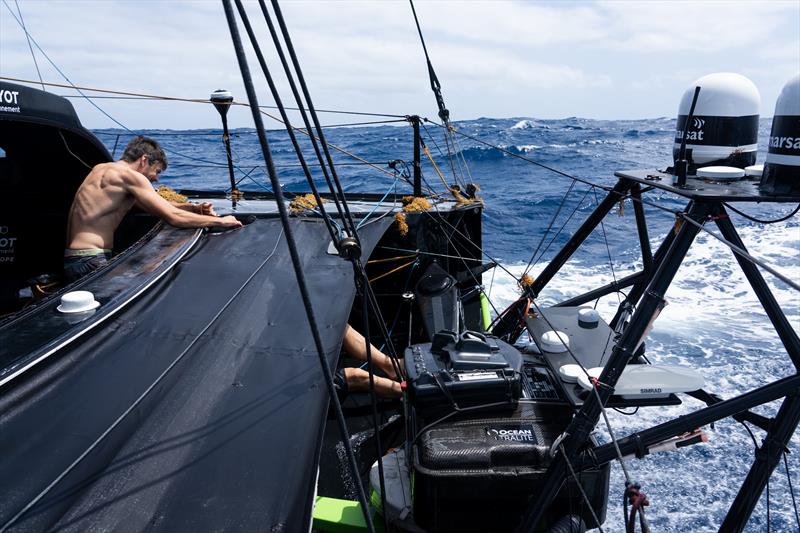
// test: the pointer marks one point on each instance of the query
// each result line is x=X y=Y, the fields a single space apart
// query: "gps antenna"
x=222 y=100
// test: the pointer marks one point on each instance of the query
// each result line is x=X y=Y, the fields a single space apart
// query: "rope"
x=392 y=271
x=378 y=204
x=389 y=259
x=348 y=218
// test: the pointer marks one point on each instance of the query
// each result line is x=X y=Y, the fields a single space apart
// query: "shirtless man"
x=109 y=192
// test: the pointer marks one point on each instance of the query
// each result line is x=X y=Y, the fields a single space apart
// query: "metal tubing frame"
x=636 y=443
x=767 y=458
x=641 y=227
x=652 y=286
x=779 y=321
x=638 y=288
x=578 y=431
x=605 y=290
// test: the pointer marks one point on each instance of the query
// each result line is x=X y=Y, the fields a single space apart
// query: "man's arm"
x=149 y=200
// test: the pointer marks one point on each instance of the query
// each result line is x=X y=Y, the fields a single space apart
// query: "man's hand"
x=229 y=221
x=206 y=208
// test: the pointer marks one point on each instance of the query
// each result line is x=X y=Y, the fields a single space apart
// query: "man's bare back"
x=111 y=189
x=99 y=206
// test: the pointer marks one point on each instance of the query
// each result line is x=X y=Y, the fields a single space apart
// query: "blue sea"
x=713 y=322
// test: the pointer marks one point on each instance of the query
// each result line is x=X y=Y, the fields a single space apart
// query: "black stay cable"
x=444 y=114
x=349 y=224
x=361 y=282
x=296 y=94
x=290 y=241
x=285 y=118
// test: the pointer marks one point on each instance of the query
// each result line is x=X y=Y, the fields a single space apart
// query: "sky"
x=499 y=59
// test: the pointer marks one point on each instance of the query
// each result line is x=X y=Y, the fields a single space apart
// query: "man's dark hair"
x=140 y=146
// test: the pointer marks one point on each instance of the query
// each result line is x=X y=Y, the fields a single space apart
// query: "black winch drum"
x=724 y=127
x=781 y=173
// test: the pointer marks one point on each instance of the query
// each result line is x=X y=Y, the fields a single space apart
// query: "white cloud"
x=611 y=58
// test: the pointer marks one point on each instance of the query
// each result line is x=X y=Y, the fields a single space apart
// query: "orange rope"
x=392 y=271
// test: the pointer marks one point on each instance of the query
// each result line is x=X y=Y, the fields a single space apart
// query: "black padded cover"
x=231 y=400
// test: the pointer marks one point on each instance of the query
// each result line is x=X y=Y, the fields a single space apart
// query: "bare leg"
x=355 y=346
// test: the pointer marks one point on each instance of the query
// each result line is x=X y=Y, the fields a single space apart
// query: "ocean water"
x=713 y=322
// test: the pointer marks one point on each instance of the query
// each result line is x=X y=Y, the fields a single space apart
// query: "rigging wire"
x=289 y=130
x=531 y=262
x=72 y=85
x=585 y=497
x=299 y=274
x=641 y=201
x=327 y=171
x=347 y=219
x=562 y=228
x=27 y=36
x=144 y=96
x=608 y=249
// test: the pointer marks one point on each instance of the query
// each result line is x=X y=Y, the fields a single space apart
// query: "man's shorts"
x=78 y=263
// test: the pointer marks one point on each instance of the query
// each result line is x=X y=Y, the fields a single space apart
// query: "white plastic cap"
x=78 y=302
x=720 y=173
x=588 y=318
x=555 y=341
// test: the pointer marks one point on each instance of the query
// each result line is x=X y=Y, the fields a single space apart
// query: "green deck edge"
x=332 y=515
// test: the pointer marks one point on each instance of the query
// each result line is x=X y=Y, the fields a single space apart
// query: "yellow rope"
x=435 y=167
x=387 y=259
x=392 y=271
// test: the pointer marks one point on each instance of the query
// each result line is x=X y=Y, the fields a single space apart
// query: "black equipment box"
x=463 y=469
x=464 y=370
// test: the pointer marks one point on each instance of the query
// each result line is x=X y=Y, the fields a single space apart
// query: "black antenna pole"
x=222 y=100
x=301 y=281
x=682 y=165
x=417 y=164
